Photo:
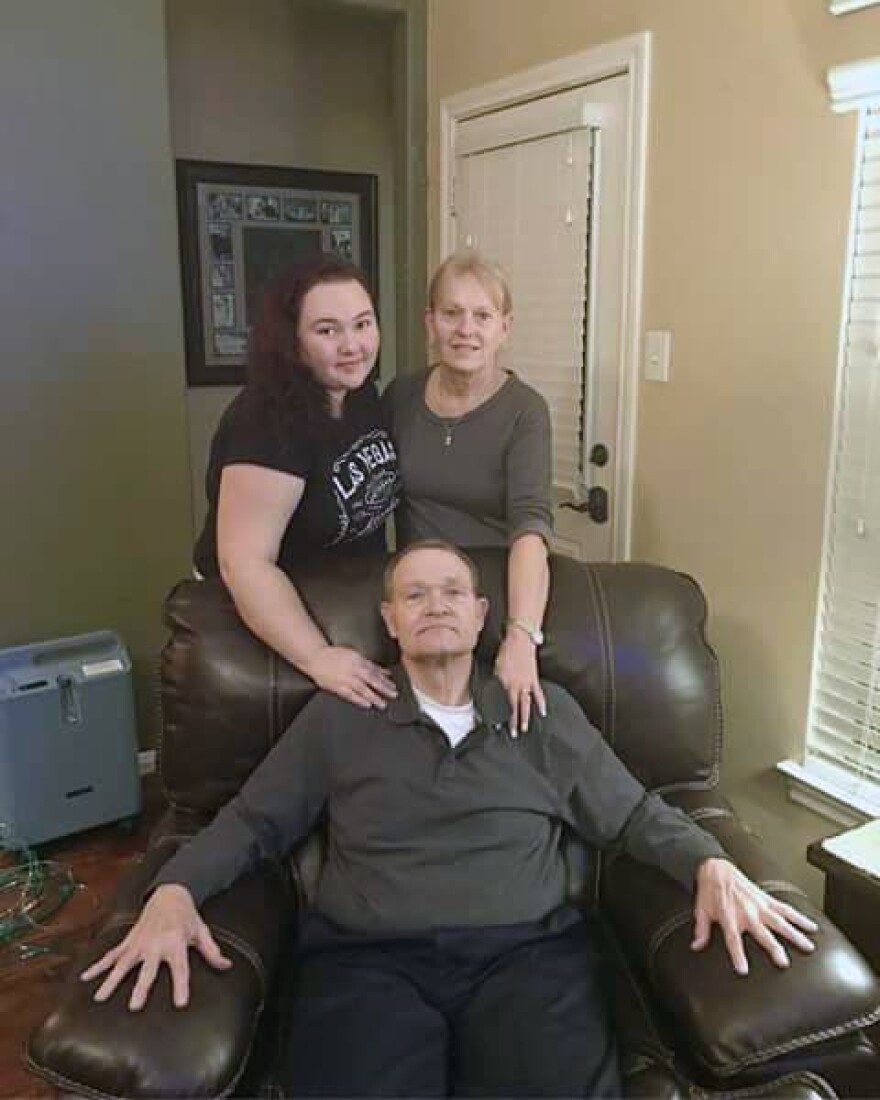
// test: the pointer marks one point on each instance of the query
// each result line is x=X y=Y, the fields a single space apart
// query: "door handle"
x=595 y=506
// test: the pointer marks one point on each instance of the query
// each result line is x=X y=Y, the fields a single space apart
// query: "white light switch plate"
x=658 y=347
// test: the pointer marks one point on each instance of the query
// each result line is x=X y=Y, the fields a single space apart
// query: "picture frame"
x=240 y=225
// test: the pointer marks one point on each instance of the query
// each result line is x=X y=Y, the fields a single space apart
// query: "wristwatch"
x=534 y=633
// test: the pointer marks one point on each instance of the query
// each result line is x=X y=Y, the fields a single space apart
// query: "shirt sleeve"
x=276 y=807
x=605 y=803
x=252 y=438
x=529 y=489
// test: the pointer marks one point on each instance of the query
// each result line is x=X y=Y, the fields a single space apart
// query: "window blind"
x=527 y=206
x=843 y=737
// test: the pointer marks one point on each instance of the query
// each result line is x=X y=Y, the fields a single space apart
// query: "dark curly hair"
x=280 y=387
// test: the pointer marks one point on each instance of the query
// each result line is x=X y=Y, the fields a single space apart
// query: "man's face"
x=432 y=610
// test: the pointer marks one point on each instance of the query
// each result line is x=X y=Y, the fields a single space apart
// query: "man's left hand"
x=727 y=897
x=516 y=666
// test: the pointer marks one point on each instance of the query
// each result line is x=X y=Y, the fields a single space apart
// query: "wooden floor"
x=97 y=859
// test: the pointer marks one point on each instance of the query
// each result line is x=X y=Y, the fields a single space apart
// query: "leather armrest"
x=106 y=1050
x=736 y=1022
x=658 y=1083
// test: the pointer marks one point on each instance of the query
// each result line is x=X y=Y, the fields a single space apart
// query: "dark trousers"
x=512 y=1011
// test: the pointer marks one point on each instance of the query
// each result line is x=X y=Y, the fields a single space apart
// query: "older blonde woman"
x=474 y=450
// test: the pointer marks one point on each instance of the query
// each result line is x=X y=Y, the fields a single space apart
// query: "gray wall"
x=292 y=83
x=93 y=459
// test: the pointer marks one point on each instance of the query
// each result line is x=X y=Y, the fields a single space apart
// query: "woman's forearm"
x=528 y=586
x=255 y=508
x=528 y=580
x=271 y=607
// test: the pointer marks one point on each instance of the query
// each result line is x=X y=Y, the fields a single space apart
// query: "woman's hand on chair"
x=516 y=666
x=346 y=673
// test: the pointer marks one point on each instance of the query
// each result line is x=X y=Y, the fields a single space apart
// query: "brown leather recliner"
x=628 y=642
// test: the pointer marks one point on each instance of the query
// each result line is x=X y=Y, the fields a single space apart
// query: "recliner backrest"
x=627 y=640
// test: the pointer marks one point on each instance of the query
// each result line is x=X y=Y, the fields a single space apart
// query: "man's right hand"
x=168 y=926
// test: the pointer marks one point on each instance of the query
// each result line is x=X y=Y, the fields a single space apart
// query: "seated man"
x=441 y=955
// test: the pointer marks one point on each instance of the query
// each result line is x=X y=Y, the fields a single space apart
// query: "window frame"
x=833 y=790
x=844 y=7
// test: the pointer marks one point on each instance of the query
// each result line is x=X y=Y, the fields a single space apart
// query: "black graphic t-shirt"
x=352 y=480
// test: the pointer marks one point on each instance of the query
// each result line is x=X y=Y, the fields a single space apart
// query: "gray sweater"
x=422 y=835
x=482 y=479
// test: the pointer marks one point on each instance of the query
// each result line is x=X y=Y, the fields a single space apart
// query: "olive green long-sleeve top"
x=482 y=479
x=424 y=835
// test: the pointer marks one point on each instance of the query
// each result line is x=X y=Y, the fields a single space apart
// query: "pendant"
x=447 y=442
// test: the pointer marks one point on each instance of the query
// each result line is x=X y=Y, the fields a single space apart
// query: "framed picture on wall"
x=240 y=225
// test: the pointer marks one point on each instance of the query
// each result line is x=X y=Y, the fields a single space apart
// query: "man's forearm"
x=664 y=836
x=610 y=808
x=276 y=807
x=213 y=859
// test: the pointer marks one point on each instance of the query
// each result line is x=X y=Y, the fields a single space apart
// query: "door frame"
x=629 y=57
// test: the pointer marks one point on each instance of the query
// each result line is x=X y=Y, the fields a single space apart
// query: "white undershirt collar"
x=455 y=721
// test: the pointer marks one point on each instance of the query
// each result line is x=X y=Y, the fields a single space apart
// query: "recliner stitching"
x=604 y=634
x=799 y=1076
x=666 y=1052
x=715 y=773
x=226 y=935
x=65 y=1082
x=666 y=929
x=782 y=886
x=714 y=777
x=273 y=701
x=702 y=812
x=768 y=1053
x=607 y=718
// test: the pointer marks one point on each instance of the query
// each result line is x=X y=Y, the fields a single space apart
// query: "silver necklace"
x=450 y=423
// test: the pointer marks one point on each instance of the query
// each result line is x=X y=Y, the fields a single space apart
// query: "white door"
x=541 y=188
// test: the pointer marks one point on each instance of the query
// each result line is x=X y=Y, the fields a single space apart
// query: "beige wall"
x=748 y=193
x=286 y=82
x=94 y=509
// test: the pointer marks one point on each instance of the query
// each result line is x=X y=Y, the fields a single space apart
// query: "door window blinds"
x=523 y=200
x=843 y=739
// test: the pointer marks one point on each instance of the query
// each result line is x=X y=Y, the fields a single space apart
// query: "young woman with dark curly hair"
x=302 y=468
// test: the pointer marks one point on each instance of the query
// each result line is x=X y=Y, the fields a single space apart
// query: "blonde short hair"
x=470 y=262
